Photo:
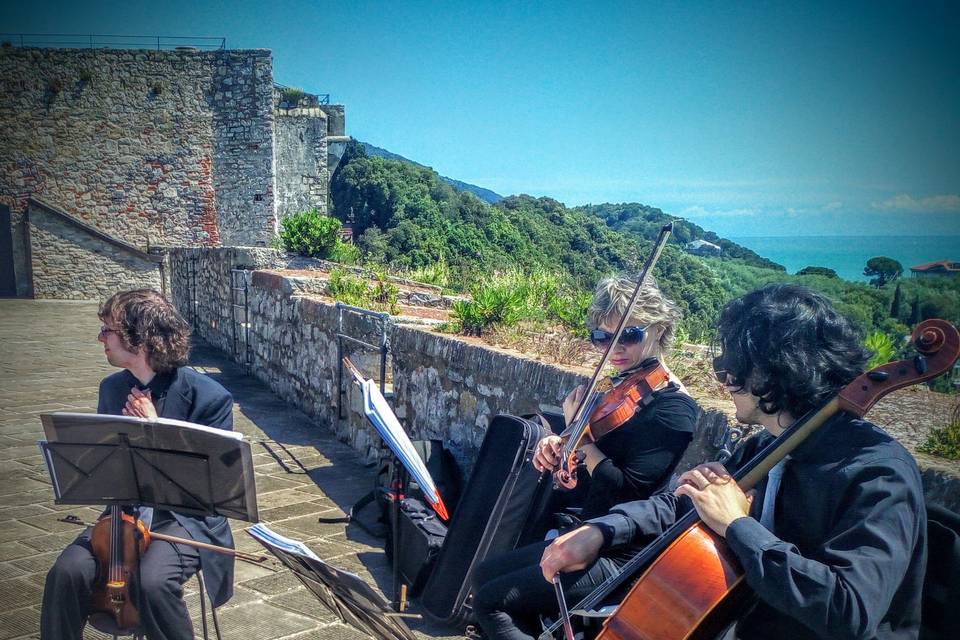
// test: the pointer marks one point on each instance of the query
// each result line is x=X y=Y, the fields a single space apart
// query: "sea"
x=848 y=255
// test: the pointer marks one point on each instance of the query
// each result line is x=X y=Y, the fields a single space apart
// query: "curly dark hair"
x=143 y=318
x=787 y=345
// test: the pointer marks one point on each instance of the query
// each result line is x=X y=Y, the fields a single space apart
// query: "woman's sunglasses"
x=630 y=336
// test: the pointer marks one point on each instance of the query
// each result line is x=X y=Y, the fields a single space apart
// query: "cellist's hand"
x=715 y=494
x=546 y=456
x=571 y=551
x=570 y=403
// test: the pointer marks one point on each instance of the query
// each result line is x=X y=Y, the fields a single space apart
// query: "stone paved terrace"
x=50 y=361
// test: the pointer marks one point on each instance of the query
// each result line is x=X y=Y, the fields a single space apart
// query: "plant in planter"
x=292 y=96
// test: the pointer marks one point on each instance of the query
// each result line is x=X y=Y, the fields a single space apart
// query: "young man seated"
x=838 y=547
x=143 y=334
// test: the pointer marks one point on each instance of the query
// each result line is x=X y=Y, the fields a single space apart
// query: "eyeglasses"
x=104 y=330
x=630 y=336
x=724 y=376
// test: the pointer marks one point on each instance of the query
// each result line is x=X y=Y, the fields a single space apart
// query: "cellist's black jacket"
x=184 y=394
x=847 y=554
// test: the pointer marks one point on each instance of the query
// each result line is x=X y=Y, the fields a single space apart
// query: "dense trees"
x=818 y=271
x=641 y=221
x=882 y=270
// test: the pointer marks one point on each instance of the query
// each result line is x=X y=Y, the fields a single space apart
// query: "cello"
x=693 y=586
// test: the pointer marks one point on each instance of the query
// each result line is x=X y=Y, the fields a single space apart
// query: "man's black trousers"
x=164 y=568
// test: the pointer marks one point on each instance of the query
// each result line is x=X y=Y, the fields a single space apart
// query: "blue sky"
x=749 y=119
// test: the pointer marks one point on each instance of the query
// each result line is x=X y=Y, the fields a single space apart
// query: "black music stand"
x=160 y=463
x=166 y=464
x=345 y=594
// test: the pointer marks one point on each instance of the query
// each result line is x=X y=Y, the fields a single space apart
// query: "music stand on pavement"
x=351 y=599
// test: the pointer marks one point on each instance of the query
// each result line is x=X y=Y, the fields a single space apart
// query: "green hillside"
x=405 y=217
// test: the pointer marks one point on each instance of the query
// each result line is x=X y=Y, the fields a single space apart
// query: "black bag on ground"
x=421 y=536
x=440 y=464
x=498 y=511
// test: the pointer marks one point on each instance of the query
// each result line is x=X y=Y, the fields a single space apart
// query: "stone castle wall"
x=303 y=180
x=171 y=148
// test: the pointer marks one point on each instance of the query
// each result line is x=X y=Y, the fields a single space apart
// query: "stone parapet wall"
x=442 y=387
x=69 y=262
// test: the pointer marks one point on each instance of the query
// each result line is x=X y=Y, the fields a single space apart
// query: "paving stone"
x=16 y=530
x=37 y=563
x=14 y=550
x=294 y=511
x=24 y=511
x=10 y=570
x=303 y=601
x=264 y=622
x=19 y=592
x=51 y=542
x=274 y=584
x=19 y=623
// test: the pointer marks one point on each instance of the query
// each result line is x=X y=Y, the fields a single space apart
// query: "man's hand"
x=715 y=494
x=546 y=456
x=139 y=404
x=571 y=551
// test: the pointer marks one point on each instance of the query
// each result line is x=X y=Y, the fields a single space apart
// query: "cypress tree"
x=895 y=305
x=915 y=311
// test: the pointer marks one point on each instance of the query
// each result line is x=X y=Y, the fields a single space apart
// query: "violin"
x=693 y=585
x=610 y=411
x=599 y=414
x=118 y=541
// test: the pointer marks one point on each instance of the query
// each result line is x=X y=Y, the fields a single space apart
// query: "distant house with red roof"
x=936 y=269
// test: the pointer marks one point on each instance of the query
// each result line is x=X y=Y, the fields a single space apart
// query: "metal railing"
x=240 y=315
x=322 y=98
x=343 y=338
x=108 y=41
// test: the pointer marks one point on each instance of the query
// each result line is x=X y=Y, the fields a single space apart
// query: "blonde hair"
x=612 y=295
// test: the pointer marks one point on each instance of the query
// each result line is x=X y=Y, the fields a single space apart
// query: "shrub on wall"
x=945 y=441
x=310 y=234
x=292 y=95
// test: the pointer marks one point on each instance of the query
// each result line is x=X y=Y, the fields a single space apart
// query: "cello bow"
x=651 y=610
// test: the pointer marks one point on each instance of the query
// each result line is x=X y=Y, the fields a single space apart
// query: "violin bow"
x=579 y=422
x=564 y=613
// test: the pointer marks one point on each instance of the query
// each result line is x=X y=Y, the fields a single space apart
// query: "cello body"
x=690 y=591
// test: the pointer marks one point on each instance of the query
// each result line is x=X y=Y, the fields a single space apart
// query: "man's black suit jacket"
x=192 y=397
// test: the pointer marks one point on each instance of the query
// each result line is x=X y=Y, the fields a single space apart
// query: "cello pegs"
x=920 y=364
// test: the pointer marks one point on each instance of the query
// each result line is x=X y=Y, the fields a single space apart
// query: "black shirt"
x=643 y=453
x=847 y=552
